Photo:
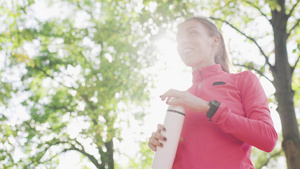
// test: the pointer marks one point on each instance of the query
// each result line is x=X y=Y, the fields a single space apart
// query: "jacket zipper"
x=199 y=86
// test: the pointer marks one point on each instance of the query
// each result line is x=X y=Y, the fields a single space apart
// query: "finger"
x=169 y=99
x=154 y=143
x=169 y=94
x=158 y=136
x=160 y=128
x=174 y=101
x=151 y=146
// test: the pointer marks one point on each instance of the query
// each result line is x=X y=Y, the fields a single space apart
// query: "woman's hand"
x=154 y=140
x=185 y=99
x=176 y=97
x=157 y=137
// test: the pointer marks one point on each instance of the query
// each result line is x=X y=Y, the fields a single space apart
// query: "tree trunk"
x=284 y=94
x=110 y=154
x=107 y=157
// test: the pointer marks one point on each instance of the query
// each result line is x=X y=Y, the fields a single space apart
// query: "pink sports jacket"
x=243 y=120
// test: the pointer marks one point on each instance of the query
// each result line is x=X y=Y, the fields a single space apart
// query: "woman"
x=226 y=114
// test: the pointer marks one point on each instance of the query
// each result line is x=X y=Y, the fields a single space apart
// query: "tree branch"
x=248 y=37
x=82 y=151
x=92 y=158
x=268 y=159
x=49 y=160
x=82 y=148
x=296 y=24
x=257 y=71
x=260 y=11
x=58 y=108
x=294 y=67
x=52 y=77
x=73 y=147
x=37 y=158
x=293 y=8
x=282 y=5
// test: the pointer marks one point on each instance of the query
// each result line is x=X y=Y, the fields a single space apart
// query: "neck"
x=203 y=65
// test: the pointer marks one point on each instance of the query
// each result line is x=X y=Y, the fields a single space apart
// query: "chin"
x=190 y=61
x=190 y=64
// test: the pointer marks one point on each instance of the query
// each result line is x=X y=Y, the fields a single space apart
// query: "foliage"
x=76 y=71
x=77 y=66
x=272 y=28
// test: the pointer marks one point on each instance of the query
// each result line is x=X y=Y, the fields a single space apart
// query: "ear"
x=216 y=41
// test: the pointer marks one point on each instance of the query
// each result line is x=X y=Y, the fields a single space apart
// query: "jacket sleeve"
x=256 y=128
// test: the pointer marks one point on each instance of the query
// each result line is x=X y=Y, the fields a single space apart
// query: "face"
x=194 y=45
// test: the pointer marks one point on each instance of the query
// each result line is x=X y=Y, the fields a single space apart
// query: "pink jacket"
x=243 y=120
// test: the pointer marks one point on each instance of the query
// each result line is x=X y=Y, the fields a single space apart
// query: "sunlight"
x=169 y=71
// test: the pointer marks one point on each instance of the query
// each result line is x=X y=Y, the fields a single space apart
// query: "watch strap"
x=214 y=106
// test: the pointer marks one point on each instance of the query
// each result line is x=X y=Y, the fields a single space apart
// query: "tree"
x=281 y=15
x=280 y=59
x=80 y=68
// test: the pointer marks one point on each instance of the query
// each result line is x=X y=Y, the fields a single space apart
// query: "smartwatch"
x=214 y=105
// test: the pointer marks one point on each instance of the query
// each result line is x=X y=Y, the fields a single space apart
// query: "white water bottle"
x=164 y=156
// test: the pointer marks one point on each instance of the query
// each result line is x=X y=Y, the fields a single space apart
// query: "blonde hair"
x=221 y=56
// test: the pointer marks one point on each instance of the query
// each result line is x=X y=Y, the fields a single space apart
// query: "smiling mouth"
x=187 y=50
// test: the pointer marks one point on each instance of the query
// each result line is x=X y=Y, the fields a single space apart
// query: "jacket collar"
x=204 y=72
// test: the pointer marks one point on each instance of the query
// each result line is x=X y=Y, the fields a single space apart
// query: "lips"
x=186 y=50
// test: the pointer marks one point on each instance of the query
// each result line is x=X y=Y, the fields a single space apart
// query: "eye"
x=193 y=32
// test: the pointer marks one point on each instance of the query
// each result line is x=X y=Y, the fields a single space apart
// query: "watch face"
x=215 y=103
x=214 y=106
